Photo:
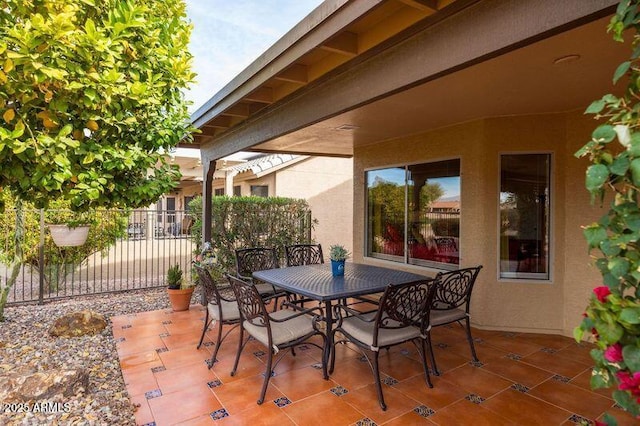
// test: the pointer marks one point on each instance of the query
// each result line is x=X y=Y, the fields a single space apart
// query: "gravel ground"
x=25 y=344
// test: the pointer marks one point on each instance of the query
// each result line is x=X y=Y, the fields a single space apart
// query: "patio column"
x=207 y=180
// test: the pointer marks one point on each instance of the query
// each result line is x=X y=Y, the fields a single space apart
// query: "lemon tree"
x=91 y=99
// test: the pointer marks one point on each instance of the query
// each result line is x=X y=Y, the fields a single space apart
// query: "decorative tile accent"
x=509 y=334
x=282 y=401
x=219 y=414
x=120 y=340
x=124 y=327
x=166 y=322
x=209 y=363
x=520 y=388
x=562 y=379
x=404 y=352
x=303 y=348
x=478 y=340
x=207 y=344
x=214 y=384
x=158 y=369
x=165 y=335
x=476 y=363
x=161 y=350
x=549 y=350
x=390 y=381
x=259 y=353
x=153 y=394
x=273 y=374
x=442 y=345
x=366 y=422
x=317 y=366
x=363 y=358
x=476 y=399
x=579 y=420
x=150 y=424
x=424 y=411
x=339 y=391
x=514 y=357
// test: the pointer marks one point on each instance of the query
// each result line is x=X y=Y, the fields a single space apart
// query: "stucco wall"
x=326 y=183
x=553 y=306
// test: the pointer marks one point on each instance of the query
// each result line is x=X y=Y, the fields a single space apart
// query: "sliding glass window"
x=413 y=214
x=524 y=216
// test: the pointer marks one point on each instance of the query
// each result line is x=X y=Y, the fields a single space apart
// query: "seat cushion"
x=282 y=332
x=445 y=317
x=364 y=331
x=229 y=311
x=264 y=288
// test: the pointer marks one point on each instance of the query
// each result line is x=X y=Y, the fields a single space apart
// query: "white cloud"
x=229 y=35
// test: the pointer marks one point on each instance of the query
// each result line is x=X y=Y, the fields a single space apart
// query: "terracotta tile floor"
x=522 y=379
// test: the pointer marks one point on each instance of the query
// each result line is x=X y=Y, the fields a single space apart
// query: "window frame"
x=419 y=263
x=528 y=277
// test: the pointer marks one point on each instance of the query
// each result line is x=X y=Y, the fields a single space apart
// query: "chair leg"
x=218 y=343
x=240 y=347
x=204 y=329
x=470 y=339
x=432 y=355
x=427 y=376
x=376 y=373
x=267 y=376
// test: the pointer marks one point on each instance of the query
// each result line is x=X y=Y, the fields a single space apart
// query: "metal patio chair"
x=250 y=260
x=451 y=303
x=221 y=308
x=304 y=254
x=279 y=330
x=402 y=316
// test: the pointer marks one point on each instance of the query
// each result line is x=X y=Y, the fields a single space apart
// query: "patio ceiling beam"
x=221 y=122
x=263 y=95
x=296 y=73
x=239 y=110
x=427 y=5
x=345 y=43
x=479 y=30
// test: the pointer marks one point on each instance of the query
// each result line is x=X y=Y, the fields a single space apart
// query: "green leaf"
x=598 y=174
x=604 y=133
x=630 y=315
x=609 y=332
x=595 y=107
x=635 y=171
x=600 y=378
x=578 y=332
x=595 y=234
x=631 y=356
x=620 y=71
x=619 y=266
x=620 y=166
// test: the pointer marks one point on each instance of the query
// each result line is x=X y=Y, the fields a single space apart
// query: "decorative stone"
x=43 y=385
x=78 y=324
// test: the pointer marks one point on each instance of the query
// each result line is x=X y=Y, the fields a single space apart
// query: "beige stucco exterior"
x=553 y=306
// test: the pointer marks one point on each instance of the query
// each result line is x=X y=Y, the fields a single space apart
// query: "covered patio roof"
x=356 y=73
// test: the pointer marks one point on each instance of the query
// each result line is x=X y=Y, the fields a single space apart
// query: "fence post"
x=41 y=259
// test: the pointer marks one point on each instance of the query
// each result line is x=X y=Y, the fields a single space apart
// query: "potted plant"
x=179 y=292
x=68 y=228
x=338 y=254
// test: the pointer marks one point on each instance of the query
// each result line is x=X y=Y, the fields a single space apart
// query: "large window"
x=413 y=213
x=260 y=190
x=524 y=216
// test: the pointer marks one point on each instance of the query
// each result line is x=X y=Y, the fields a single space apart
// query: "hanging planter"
x=66 y=236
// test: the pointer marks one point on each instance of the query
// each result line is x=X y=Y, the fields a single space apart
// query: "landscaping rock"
x=43 y=385
x=78 y=324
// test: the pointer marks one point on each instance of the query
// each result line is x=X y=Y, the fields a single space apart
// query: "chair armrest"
x=300 y=313
x=352 y=313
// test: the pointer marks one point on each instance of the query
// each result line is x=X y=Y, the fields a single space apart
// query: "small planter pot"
x=337 y=268
x=64 y=236
x=180 y=299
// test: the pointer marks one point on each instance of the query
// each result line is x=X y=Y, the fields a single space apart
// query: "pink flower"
x=613 y=353
x=601 y=293
x=629 y=382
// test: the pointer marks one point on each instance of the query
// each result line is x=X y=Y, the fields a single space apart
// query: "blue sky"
x=229 y=35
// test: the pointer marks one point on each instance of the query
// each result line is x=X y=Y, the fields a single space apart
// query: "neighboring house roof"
x=261 y=166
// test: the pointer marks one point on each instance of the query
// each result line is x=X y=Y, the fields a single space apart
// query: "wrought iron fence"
x=125 y=250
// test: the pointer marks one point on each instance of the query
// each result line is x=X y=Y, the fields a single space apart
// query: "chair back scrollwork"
x=304 y=254
x=454 y=288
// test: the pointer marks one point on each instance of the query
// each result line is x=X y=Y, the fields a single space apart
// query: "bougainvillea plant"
x=612 y=317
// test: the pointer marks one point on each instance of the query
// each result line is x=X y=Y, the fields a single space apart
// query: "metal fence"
x=125 y=250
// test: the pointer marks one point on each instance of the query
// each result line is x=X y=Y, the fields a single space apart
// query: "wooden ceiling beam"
x=426 y=5
x=263 y=95
x=296 y=73
x=345 y=43
x=238 y=110
x=220 y=122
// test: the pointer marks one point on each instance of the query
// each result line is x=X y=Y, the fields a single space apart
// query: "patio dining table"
x=316 y=282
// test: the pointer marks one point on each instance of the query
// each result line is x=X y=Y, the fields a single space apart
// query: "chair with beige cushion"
x=451 y=303
x=250 y=260
x=221 y=308
x=282 y=329
x=402 y=316
x=304 y=254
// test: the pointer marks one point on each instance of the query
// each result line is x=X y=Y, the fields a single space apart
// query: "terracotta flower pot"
x=180 y=299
